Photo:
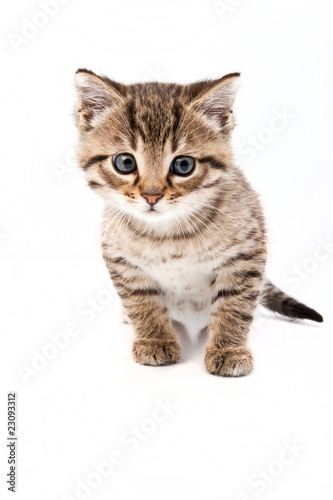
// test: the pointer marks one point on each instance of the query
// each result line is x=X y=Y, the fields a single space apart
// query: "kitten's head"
x=155 y=151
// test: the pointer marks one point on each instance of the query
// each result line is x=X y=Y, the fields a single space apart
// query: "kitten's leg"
x=124 y=317
x=232 y=312
x=156 y=340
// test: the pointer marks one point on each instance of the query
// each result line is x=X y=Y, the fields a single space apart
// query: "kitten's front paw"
x=231 y=362
x=156 y=352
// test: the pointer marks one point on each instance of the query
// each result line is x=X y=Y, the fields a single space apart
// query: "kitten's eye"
x=182 y=165
x=125 y=163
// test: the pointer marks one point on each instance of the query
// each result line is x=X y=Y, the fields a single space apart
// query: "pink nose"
x=152 y=199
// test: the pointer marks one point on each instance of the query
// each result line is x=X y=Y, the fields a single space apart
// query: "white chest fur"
x=186 y=290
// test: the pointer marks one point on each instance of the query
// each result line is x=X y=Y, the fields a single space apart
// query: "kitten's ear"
x=215 y=100
x=94 y=95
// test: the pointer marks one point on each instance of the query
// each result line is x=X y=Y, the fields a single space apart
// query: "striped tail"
x=275 y=300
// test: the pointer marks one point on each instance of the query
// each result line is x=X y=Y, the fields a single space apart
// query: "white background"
x=74 y=410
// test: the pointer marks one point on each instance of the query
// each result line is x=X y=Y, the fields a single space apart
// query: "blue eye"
x=125 y=163
x=182 y=165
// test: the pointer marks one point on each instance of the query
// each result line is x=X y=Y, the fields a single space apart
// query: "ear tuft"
x=94 y=96
x=216 y=101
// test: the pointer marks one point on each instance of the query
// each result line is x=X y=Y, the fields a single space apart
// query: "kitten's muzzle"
x=152 y=199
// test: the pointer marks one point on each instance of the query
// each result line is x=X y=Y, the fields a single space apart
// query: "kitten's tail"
x=275 y=300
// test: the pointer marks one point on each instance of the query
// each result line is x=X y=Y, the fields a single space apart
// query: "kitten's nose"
x=152 y=199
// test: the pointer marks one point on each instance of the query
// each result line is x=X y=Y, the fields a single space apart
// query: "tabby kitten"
x=184 y=234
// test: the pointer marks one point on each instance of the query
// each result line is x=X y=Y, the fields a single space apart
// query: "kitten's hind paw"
x=231 y=362
x=156 y=352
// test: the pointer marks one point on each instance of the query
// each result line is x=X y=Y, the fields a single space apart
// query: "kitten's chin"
x=155 y=217
x=151 y=215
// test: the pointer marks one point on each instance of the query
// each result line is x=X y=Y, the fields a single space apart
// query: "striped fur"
x=198 y=256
